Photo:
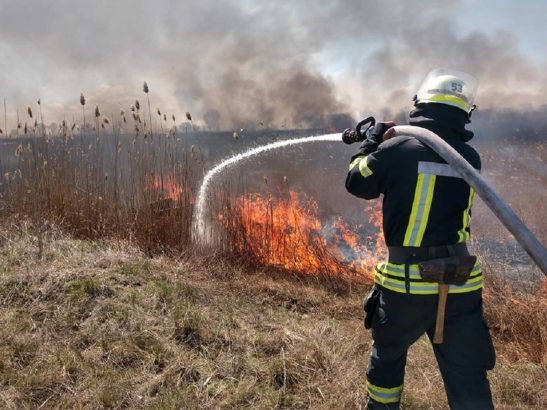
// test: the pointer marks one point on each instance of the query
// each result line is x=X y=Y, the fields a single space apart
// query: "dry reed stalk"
x=5 y=117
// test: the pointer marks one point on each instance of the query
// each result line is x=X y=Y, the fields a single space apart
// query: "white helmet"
x=449 y=87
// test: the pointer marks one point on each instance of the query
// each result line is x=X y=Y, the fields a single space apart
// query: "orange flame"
x=167 y=186
x=288 y=233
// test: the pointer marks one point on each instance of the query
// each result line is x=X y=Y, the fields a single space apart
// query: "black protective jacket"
x=425 y=203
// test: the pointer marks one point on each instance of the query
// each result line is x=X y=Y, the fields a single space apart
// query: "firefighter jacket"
x=425 y=203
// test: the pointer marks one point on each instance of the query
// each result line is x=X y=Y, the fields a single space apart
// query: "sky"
x=235 y=63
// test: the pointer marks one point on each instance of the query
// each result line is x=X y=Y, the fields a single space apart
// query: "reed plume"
x=174 y=125
x=146 y=90
x=82 y=103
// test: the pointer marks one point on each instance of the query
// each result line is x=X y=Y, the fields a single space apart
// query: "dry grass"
x=104 y=184
x=99 y=324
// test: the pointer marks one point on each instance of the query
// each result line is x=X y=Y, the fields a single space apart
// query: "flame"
x=288 y=233
x=167 y=186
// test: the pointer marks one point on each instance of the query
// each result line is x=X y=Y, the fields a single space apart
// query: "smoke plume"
x=250 y=63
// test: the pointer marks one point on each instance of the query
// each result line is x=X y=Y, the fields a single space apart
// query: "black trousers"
x=398 y=320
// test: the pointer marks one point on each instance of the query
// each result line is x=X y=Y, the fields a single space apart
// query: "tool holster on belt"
x=445 y=265
x=449 y=264
x=454 y=270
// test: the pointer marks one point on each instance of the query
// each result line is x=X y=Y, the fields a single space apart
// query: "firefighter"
x=426 y=214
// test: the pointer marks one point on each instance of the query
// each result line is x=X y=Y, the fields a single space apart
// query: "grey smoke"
x=250 y=63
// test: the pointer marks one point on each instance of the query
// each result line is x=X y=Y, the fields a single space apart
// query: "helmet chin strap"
x=473 y=108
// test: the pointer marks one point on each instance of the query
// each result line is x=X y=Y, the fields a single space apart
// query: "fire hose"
x=497 y=205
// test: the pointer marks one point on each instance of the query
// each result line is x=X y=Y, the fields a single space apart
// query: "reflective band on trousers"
x=392 y=276
x=363 y=166
x=423 y=196
x=384 y=395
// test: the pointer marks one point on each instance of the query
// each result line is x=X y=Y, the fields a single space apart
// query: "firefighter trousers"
x=399 y=319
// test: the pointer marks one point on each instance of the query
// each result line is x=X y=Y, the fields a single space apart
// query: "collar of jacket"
x=445 y=121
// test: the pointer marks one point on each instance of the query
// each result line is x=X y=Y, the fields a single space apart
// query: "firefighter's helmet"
x=450 y=87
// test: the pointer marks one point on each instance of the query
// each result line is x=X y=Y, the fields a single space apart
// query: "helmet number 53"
x=457 y=87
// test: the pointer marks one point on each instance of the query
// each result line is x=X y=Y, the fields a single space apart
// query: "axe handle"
x=441 y=307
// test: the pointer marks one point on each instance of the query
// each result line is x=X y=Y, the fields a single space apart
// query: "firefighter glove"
x=375 y=137
x=377 y=134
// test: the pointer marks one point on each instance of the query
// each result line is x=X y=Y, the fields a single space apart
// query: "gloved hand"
x=376 y=137
x=377 y=134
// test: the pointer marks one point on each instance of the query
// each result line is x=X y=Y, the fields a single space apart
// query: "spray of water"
x=200 y=226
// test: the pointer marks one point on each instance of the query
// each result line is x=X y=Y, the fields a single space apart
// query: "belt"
x=411 y=255
x=408 y=255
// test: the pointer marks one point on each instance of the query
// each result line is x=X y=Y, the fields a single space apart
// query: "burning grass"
x=142 y=188
x=288 y=233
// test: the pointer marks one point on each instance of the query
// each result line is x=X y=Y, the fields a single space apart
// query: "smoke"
x=507 y=77
x=248 y=63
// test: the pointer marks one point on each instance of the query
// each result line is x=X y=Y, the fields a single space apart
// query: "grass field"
x=100 y=324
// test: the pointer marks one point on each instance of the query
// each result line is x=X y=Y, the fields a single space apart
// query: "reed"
x=146 y=90
x=107 y=184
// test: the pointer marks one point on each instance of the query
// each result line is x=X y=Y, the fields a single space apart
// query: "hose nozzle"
x=352 y=136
